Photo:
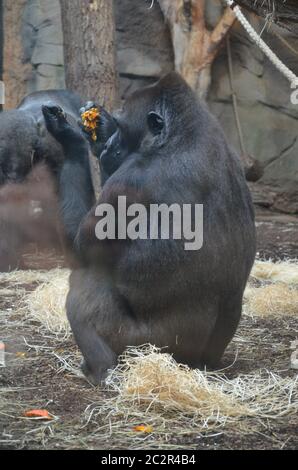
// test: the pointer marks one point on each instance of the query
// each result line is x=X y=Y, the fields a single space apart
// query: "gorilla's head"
x=163 y=115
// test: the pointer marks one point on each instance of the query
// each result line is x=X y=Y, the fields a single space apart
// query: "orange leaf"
x=44 y=414
x=143 y=428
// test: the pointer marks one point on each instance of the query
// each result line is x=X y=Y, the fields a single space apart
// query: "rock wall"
x=43 y=44
x=144 y=45
x=269 y=121
x=33 y=48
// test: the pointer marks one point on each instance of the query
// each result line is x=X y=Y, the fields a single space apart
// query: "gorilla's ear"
x=155 y=123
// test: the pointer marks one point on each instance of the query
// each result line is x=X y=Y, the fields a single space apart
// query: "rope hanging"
x=293 y=79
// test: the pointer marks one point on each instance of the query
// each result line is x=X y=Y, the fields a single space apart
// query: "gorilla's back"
x=67 y=99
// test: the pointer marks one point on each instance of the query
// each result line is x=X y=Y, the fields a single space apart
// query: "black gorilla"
x=30 y=159
x=167 y=148
x=24 y=139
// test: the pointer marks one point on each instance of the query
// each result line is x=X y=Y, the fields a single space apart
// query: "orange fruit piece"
x=90 y=120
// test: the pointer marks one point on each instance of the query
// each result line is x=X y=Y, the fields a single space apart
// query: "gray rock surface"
x=144 y=48
x=43 y=44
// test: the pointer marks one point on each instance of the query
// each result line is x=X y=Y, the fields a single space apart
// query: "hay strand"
x=46 y=304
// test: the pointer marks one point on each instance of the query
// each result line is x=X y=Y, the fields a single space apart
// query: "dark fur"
x=30 y=159
x=130 y=293
x=24 y=140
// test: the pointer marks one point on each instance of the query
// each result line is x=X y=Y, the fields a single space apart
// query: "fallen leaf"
x=44 y=414
x=143 y=428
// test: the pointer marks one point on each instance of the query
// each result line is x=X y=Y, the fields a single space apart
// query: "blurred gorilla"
x=29 y=213
x=24 y=139
x=166 y=148
x=30 y=159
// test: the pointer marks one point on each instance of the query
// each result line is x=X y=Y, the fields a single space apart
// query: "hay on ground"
x=28 y=277
x=146 y=377
x=150 y=388
x=274 y=299
x=46 y=304
x=283 y=271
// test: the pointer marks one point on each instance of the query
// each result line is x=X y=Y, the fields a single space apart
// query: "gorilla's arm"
x=76 y=193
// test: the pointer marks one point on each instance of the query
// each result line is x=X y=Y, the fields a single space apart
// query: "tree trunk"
x=195 y=47
x=15 y=71
x=89 y=49
x=90 y=56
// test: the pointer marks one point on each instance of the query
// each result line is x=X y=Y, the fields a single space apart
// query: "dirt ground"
x=35 y=376
x=277 y=235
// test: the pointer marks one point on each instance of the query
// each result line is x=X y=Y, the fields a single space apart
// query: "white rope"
x=293 y=79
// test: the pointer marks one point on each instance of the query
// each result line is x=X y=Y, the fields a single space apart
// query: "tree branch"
x=219 y=33
x=195 y=47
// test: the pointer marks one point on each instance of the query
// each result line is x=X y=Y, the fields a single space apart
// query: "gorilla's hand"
x=97 y=125
x=55 y=119
x=67 y=135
